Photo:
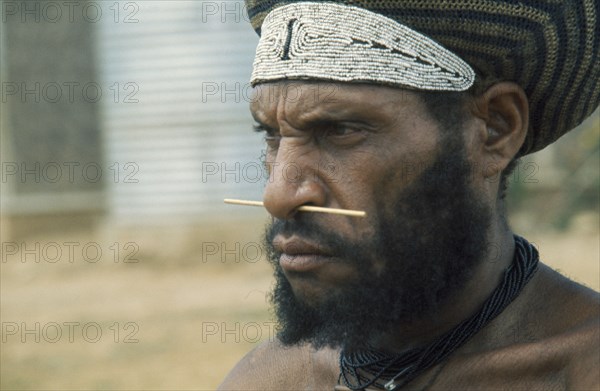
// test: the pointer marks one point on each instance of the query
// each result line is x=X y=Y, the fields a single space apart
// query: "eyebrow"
x=328 y=113
x=328 y=119
x=257 y=120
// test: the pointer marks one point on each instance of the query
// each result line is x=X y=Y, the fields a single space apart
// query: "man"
x=415 y=112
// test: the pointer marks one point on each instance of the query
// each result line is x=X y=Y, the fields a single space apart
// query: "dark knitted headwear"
x=549 y=47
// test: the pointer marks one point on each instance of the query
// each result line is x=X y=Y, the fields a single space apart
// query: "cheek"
x=371 y=178
x=399 y=159
x=395 y=172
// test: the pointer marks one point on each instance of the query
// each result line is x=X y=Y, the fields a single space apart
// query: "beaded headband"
x=550 y=48
x=329 y=41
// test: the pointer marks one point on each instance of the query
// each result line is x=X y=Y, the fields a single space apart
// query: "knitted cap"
x=549 y=47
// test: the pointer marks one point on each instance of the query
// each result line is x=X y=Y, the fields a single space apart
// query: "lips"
x=299 y=255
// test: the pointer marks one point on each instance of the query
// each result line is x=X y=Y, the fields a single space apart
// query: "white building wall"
x=181 y=113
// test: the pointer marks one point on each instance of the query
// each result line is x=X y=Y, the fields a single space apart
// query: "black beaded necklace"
x=362 y=369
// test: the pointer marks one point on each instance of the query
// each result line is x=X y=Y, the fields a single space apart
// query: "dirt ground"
x=171 y=320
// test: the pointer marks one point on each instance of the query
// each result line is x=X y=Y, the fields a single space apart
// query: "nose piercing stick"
x=304 y=208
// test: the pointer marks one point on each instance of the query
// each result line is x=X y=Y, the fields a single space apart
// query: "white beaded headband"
x=335 y=42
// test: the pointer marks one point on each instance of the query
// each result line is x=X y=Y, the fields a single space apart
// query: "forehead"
x=296 y=98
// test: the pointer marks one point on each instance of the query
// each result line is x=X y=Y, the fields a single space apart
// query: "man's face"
x=341 y=279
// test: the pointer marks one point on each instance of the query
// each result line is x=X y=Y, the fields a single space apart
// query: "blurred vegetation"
x=555 y=185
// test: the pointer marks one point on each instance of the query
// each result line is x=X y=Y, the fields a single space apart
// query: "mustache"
x=323 y=237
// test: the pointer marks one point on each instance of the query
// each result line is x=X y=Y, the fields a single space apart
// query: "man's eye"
x=259 y=128
x=341 y=130
x=263 y=129
x=271 y=136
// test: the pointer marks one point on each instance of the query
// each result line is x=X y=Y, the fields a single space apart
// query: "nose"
x=293 y=182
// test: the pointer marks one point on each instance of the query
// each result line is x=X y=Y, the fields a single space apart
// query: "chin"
x=309 y=289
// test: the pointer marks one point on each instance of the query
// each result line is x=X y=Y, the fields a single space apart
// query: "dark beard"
x=431 y=240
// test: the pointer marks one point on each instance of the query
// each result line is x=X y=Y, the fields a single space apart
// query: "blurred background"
x=124 y=124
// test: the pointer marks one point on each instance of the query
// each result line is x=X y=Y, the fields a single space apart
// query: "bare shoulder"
x=583 y=342
x=570 y=304
x=270 y=366
x=584 y=365
x=577 y=316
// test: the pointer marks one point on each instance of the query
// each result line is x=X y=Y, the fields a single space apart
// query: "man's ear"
x=504 y=109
